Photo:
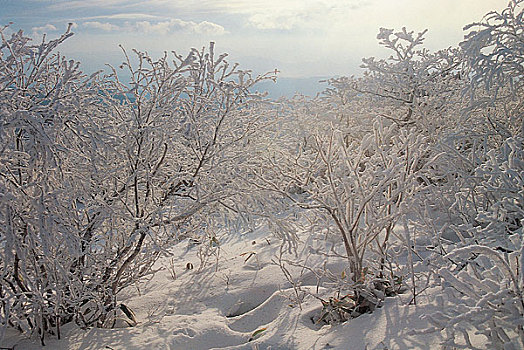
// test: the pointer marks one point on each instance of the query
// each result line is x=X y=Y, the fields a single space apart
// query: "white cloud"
x=44 y=29
x=75 y=4
x=108 y=27
x=122 y=16
x=165 y=27
x=131 y=16
x=260 y=14
x=156 y=27
x=161 y=28
x=294 y=14
x=271 y=20
x=206 y=27
x=306 y=37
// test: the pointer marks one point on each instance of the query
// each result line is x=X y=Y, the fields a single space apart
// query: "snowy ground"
x=225 y=303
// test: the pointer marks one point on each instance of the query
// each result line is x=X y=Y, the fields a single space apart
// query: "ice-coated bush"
x=98 y=176
x=482 y=282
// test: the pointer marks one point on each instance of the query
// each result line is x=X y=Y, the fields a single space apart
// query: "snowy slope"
x=223 y=304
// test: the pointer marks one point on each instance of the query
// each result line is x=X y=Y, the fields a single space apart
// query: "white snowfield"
x=239 y=304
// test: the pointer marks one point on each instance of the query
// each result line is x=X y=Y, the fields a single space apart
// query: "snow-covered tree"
x=183 y=134
x=360 y=189
x=482 y=275
x=48 y=139
x=98 y=176
x=412 y=87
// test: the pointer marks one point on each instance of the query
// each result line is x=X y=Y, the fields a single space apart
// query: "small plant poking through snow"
x=363 y=299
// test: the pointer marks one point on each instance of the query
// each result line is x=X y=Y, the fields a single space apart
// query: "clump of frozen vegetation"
x=98 y=176
x=410 y=176
x=418 y=138
x=482 y=275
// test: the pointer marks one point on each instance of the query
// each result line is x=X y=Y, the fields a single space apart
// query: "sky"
x=300 y=38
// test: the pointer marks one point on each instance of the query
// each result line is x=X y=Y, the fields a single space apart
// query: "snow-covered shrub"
x=413 y=87
x=494 y=49
x=98 y=175
x=481 y=276
x=356 y=169
x=184 y=130
x=483 y=279
x=48 y=142
x=360 y=189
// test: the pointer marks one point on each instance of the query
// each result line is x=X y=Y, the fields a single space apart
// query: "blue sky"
x=302 y=38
